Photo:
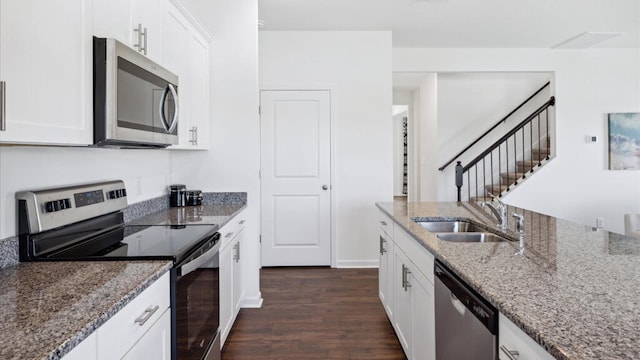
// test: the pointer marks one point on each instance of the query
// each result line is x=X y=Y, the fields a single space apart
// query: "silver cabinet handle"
x=142 y=39
x=325 y=187
x=194 y=135
x=511 y=354
x=236 y=257
x=241 y=222
x=382 y=249
x=139 y=44
x=144 y=34
x=405 y=278
x=384 y=223
x=146 y=315
x=3 y=106
x=229 y=234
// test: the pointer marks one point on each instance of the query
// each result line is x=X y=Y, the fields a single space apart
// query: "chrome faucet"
x=520 y=230
x=500 y=212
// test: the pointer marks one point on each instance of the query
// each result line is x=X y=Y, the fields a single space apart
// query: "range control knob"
x=49 y=206
x=116 y=194
x=57 y=205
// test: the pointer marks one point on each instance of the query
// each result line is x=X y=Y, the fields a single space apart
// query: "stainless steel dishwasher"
x=466 y=324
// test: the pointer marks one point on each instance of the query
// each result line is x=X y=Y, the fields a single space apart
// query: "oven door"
x=198 y=305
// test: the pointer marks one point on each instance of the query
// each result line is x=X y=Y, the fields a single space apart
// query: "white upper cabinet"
x=46 y=68
x=137 y=23
x=185 y=52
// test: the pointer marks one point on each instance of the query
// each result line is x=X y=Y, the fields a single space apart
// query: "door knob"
x=325 y=187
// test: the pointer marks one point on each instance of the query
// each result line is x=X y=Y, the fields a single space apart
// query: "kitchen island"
x=575 y=291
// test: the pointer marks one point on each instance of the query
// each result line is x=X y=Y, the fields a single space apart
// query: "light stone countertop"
x=576 y=291
x=47 y=308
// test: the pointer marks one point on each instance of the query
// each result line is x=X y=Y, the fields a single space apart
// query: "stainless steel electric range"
x=86 y=223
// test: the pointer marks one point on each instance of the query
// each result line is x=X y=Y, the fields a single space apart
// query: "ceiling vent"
x=586 y=39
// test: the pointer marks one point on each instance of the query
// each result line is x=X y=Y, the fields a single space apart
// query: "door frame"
x=332 y=199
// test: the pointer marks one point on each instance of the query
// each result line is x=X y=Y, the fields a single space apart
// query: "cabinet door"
x=186 y=52
x=155 y=343
x=226 y=291
x=402 y=320
x=148 y=15
x=513 y=339
x=414 y=317
x=198 y=87
x=238 y=280
x=423 y=343
x=385 y=273
x=120 y=333
x=120 y=19
x=46 y=64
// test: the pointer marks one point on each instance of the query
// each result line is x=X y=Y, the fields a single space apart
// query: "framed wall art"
x=624 y=141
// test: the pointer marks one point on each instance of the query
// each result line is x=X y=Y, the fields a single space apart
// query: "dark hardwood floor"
x=315 y=313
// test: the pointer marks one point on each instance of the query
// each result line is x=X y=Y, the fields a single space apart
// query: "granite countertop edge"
x=536 y=334
x=107 y=314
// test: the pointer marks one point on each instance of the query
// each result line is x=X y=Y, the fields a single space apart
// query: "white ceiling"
x=463 y=23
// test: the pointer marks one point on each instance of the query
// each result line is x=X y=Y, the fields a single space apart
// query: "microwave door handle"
x=174 y=122
x=163 y=100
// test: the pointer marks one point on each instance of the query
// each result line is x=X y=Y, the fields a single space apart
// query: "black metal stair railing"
x=513 y=156
x=502 y=121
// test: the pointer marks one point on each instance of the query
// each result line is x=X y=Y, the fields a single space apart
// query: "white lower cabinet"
x=414 y=317
x=155 y=343
x=232 y=291
x=515 y=344
x=140 y=330
x=406 y=289
x=385 y=271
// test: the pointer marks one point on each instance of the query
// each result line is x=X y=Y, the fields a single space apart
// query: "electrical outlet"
x=599 y=222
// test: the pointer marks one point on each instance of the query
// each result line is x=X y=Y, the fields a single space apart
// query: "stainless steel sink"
x=450 y=226
x=470 y=237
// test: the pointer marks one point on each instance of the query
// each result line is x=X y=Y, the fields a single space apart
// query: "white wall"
x=356 y=68
x=426 y=128
x=233 y=161
x=146 y=173
x=588 y=84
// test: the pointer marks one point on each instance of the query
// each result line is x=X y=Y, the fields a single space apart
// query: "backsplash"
x=9 y=246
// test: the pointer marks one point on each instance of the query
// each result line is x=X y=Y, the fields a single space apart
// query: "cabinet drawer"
x=385 y=223
x=231 y=229
x=514 y=339
x=420 y=256
x=126 y=327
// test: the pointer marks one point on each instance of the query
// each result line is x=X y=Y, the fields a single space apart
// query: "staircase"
x=524 y=168
x=510 y=160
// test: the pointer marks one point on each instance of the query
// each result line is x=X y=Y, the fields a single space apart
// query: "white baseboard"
x=254 y=302
x=358 y=263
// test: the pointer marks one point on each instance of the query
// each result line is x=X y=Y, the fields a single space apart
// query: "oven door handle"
x=193 y=264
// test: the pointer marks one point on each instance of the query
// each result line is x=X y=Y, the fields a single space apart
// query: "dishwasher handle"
x=486 y=313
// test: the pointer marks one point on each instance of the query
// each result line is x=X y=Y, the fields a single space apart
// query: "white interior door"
x=295 y=178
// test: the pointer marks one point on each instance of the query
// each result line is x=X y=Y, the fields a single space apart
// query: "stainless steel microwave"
x=135 y=101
